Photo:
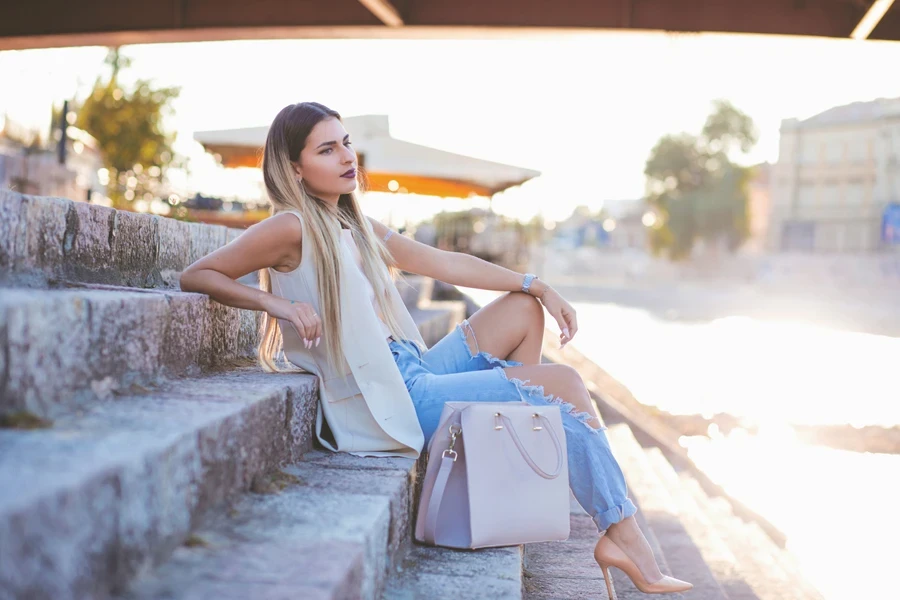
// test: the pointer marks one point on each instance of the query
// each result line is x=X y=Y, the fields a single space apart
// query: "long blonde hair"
x=287 y=137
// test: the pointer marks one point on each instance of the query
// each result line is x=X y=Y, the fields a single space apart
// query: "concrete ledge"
x=93 y=501
x=67 y=348
x=45 y=242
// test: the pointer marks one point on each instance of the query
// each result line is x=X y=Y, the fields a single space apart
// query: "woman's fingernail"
x=305 y=343
x=317 y=341
x=566 y=331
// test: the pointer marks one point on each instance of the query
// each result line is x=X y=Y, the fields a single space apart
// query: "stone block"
x=87 y=246
x=32 y=231
x=135 y=245
x=174 y=251
x=95 y=500
x=66 y=348
x=205 y=239
x=447 y=574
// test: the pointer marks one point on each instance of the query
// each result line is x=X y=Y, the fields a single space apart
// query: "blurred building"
x=759 y=208
x=837 y=176
x=31 y=166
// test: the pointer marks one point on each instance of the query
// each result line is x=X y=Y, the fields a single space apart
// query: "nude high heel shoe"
x=608 y=554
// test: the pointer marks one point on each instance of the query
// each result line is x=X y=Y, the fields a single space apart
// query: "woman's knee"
x=528 y=306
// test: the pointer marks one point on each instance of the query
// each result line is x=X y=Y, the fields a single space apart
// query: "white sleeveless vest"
x=368 y=410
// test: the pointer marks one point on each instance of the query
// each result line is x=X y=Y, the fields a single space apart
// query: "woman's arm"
x=269 y=243
x=455 y=268
x=465 y=270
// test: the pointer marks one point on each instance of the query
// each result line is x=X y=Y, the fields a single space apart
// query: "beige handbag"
x=497 y=475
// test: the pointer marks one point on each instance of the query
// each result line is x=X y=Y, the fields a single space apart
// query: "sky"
x=583 y=109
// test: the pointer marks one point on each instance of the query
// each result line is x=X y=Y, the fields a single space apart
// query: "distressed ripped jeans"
x=450 y=371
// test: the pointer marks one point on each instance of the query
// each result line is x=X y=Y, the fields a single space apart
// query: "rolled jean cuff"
x=615 y=514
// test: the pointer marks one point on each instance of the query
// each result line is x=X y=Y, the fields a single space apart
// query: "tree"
x=128 y=127
x=698 y=192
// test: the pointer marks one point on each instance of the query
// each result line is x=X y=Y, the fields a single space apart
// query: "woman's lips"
x=349 y=175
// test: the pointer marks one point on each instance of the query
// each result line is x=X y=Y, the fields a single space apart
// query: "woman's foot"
x=649 y=579
x=630 y=539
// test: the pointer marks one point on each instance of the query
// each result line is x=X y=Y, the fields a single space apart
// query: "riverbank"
x=869 y=438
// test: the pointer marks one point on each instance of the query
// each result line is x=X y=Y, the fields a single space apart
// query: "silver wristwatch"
x=529 y=277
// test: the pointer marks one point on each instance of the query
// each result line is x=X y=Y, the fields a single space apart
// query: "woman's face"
x=328 y=161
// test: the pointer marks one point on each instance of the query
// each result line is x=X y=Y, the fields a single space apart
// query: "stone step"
x=565 y=570
x=64 y=349
x=718 y=557
x=101 y=341
x=435 y=323
x=655 y=503
x=779 y=557
x=333 y=531
x=755 y=560
x=46 y=242
x=432 y=573
x=97 y=498
x=785 y=559
x=410 y=287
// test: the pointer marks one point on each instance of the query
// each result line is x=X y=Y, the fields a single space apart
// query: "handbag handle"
x=524 y=452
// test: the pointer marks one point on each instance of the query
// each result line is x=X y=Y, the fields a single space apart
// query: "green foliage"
x=696 y=189
x=128 y=125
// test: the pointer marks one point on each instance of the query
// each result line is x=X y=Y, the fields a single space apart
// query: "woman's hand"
x=564 y=314
x=301 y=315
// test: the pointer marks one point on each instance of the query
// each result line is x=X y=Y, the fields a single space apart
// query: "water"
x=837 y=508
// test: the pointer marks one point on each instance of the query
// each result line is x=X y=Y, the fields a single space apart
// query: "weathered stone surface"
x=88 y=244
x=32 y=232
x=89 y=503
x=232 y=234
x=205 y=239
x=44 y=241
x=391 y=484
x=288 y=569
x=183 y=338
x=443 y=573
x=299 y=517
x=135 y=245
x=66 y=348
x=174 y=251
x=12 y=233
x=565 y=569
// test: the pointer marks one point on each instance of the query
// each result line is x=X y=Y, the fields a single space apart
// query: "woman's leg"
x=595 y=478
x=513 y=326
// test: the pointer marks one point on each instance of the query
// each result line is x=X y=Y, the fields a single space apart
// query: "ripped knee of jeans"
x=583 y=417
x=466 y=332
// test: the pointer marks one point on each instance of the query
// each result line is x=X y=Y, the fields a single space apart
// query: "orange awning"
x=390 y=165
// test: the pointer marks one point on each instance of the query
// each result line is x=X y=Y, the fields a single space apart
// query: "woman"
x=327 y=297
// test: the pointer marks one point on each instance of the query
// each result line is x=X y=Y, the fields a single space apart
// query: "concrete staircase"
x=144 y=456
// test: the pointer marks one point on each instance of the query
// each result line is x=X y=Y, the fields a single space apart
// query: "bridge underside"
x=53 y=23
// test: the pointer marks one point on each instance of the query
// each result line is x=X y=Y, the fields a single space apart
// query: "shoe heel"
x=608 y=580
